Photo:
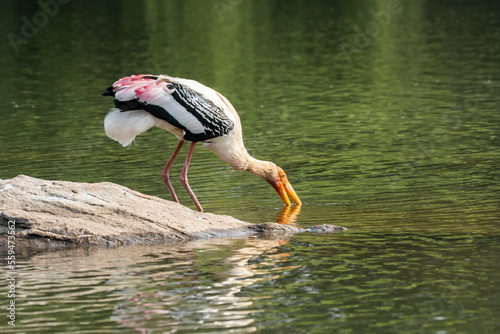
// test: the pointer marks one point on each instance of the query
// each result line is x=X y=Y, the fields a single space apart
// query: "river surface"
x=384 y=114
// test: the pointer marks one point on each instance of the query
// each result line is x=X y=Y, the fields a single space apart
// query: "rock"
x=326 y=228
x=62 y=212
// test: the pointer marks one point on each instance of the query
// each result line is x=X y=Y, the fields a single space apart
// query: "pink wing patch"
x=144 y=87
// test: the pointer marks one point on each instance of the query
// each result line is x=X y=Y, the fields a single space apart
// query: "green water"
x=397 y=139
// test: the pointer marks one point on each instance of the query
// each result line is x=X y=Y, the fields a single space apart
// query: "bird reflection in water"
x=288 y=215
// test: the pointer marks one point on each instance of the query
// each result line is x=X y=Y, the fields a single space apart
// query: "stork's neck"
x=234 y=153
x=264 y=169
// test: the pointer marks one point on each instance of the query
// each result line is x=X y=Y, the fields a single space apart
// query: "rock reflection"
x=198 y=287
x=148 y=288
x=175 y=288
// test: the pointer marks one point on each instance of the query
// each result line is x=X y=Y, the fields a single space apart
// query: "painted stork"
x=192 y=112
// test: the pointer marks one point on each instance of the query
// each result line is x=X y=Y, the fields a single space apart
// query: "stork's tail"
x=127 y=121
x=125 y=126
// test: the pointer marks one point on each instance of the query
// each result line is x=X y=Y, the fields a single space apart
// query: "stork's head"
x=280 y=182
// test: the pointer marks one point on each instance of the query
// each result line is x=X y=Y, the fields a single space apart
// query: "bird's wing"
x=186 y=104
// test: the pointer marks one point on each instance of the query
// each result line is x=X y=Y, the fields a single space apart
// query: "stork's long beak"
x=285 y=189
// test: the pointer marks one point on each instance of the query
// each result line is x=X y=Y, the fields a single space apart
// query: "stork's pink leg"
x=166 y=169
x=184 y=179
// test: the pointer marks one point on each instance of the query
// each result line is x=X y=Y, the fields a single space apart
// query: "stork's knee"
x=165 y=176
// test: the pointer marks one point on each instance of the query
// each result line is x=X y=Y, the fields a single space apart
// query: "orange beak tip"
x=292 y=194
x=285 y=190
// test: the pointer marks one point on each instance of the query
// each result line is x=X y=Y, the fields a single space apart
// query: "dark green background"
x=399 y=142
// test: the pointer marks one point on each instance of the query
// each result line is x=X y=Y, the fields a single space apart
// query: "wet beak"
x=285 y=189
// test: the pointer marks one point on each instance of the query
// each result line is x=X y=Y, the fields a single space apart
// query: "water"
x=397 y=140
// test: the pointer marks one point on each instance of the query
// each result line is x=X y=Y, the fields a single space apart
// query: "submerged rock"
x=326 y=228
x=63 y=212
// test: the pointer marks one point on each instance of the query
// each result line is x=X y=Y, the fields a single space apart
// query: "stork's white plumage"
x=193 y=112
